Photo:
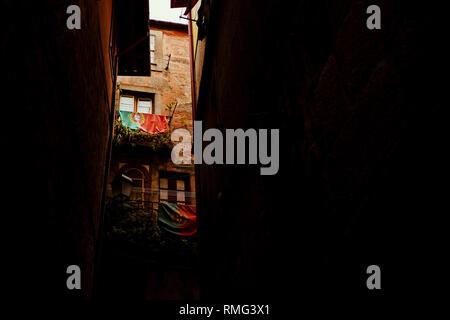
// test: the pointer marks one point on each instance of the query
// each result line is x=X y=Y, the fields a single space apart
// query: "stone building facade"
x=155 y=177
x=170 y=78
x=169 y=84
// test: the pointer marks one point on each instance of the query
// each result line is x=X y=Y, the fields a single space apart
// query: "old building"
x=63 y=82
x=168 y=93
x=165 y=96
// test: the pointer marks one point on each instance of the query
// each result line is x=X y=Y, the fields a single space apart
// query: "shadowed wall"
x=360 y=114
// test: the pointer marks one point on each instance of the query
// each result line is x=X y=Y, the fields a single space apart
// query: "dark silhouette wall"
x=59 y=88
x=360 y=114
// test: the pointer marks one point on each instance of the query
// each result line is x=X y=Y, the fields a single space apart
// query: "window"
x=152 y=49
x=126 y=103
x=144 y=106
x=157 y=60
x=164 y=190
x=180 y=191
x=173 y=188
x=134 y=101
x=137 y=193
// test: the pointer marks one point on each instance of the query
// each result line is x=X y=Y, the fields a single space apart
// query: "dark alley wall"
x=58 y=105
x=360 y=114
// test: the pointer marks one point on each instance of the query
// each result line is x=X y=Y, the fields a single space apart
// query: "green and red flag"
x=179 y=219
x=149 y=123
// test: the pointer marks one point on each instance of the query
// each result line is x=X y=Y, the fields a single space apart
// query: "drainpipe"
x=191 y=54
x=194 y=107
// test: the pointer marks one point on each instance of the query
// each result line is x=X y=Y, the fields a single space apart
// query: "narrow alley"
x=220 y=151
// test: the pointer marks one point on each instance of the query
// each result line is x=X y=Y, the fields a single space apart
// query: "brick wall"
x=172 y=85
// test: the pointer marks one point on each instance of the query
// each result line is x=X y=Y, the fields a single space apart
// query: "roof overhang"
x=133 y=37
x=168 y=25
x=188 y=4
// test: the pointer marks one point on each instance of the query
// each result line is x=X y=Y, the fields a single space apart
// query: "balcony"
x=126 y=138
x=135 y=232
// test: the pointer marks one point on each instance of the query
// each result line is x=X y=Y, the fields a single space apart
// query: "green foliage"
x=170 y=106
x=135 y=229
x=132 y=225
x=126 y=136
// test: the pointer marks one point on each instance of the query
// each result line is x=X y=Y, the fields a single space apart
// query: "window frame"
x=166 y=200
x=127 y=96
x=144 y=99
x=153 y=51
x=136 y=96
x=159 y=64
x=142 y=179
x=174 y=177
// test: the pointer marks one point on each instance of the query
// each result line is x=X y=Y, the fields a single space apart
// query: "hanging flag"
x=149 y=123
x=179 y=219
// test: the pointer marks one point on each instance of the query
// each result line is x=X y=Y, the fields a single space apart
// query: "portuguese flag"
x=179 y=219
x=149 y=123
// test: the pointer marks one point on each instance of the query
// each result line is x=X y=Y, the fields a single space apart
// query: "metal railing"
x=170 y=192
x=152 y=206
